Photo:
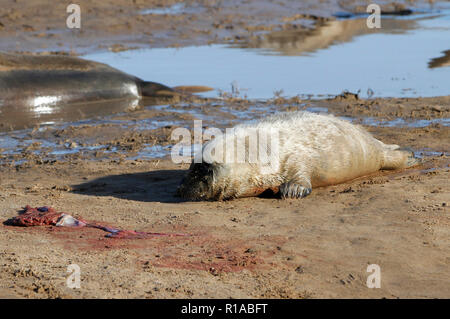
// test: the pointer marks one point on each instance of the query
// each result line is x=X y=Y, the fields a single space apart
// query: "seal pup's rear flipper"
x=399 y=157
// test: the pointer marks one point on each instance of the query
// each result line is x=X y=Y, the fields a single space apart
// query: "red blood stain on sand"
x=203 y=251
x=40 y=216
x=197 y=251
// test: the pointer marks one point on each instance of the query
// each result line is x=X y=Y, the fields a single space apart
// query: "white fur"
x=313 y=150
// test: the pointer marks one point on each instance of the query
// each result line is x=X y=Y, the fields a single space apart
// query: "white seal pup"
x=310 y=150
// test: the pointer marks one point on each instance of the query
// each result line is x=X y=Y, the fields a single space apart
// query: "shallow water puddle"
x=177 y=8
x=47 y=144
x=405 y=58
x=408 y=56
x=174 y=9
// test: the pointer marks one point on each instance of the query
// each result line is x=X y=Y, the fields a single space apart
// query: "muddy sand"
x=316 y=247
x=117 y=25
x=105 y=170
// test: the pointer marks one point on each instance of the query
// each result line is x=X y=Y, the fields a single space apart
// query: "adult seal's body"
x=40 y=80
x=312 y=150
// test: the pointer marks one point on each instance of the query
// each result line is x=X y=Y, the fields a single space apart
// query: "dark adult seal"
x=35 y=80
x=44 y=88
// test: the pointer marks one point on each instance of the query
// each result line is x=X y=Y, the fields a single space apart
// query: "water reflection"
x=21 y=116
x=294 y=43
x=176 y=8
x=38 y=89
x=339 y=55
x=440 y=61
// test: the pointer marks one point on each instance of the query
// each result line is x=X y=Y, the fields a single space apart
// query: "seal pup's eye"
x=203 y=169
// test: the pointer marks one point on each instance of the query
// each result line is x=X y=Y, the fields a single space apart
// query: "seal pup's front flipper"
x=294 y=190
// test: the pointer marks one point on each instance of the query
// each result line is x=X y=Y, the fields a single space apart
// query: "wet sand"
x=317 y=247
x=118 y=25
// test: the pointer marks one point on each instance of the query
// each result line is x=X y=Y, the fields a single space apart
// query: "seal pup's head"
x=223 y=181
x=230 y=168
x=207 y=174
x=217 y=181
x=213 y=181
x=198 y=183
